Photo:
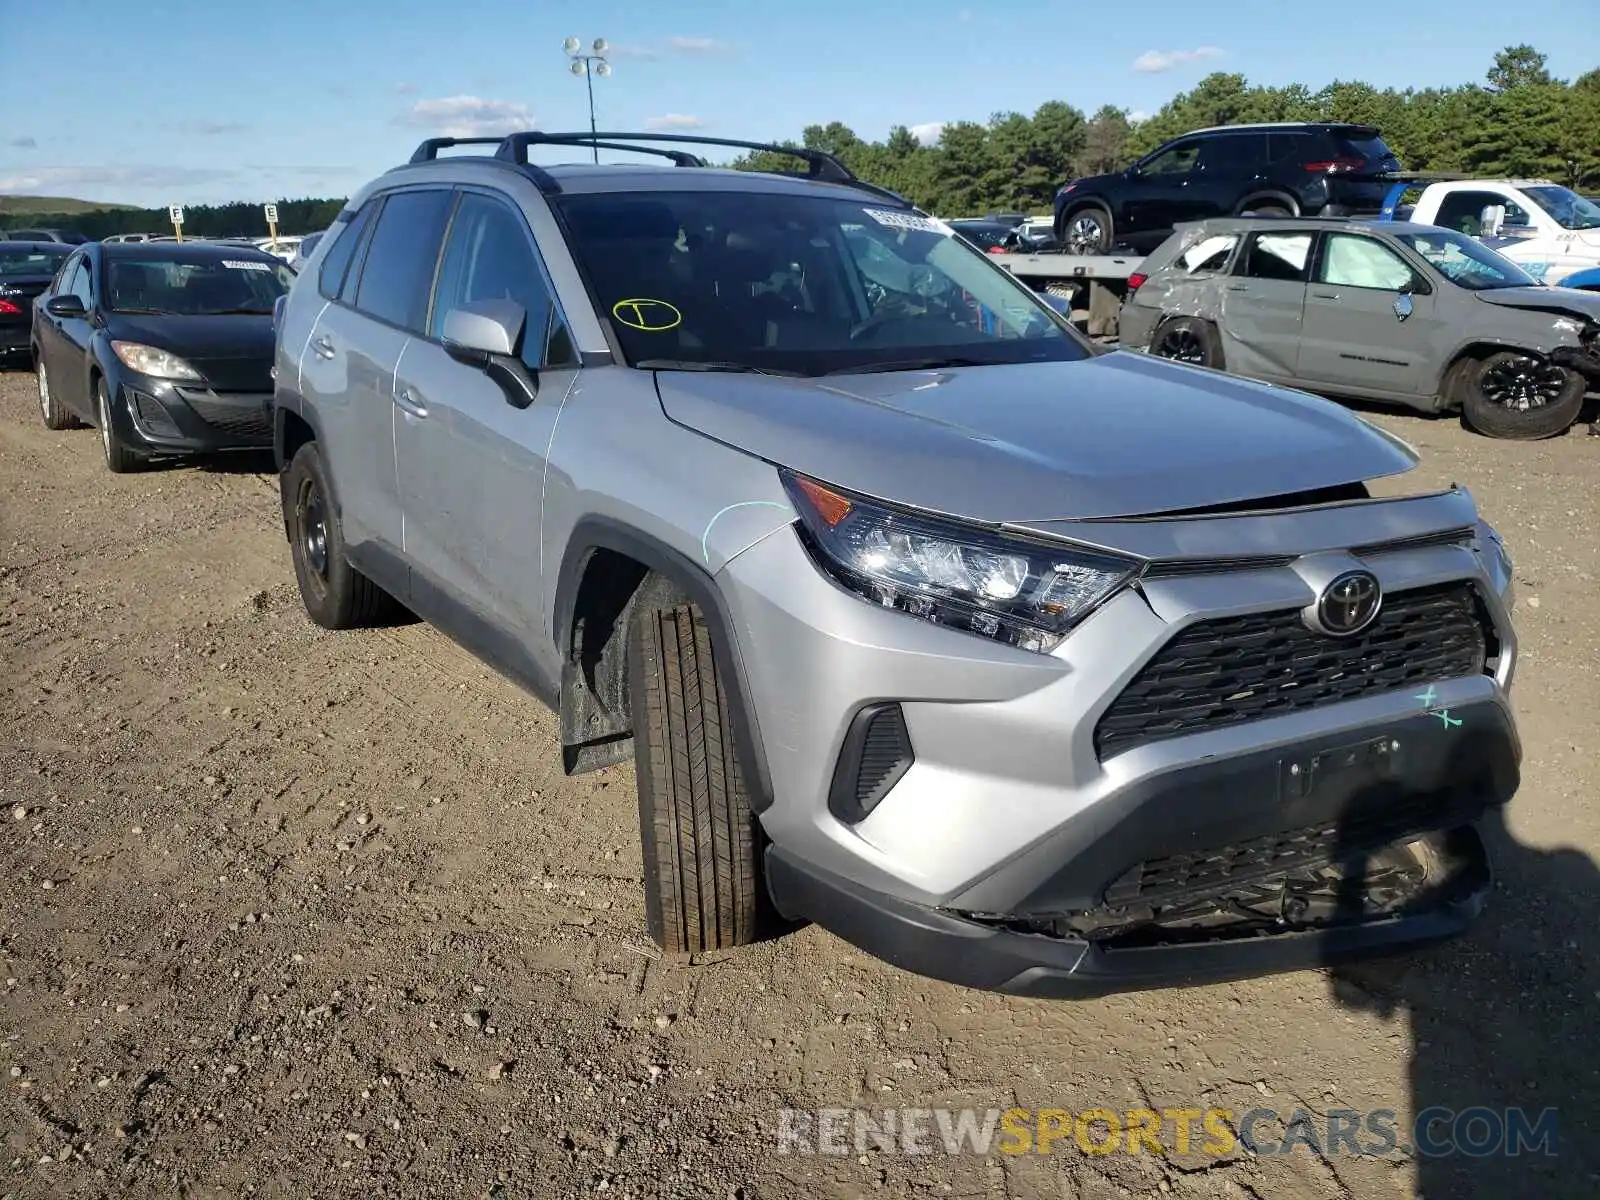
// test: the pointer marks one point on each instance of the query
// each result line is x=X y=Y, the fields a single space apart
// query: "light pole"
x=589 y=65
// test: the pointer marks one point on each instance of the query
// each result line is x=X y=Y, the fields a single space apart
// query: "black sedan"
x=26 y=269
x=165 y=348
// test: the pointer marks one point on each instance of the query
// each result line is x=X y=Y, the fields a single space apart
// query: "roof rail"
x=820 y=165
x=429 y=150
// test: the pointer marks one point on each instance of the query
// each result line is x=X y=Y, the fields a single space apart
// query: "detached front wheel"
x=702 y=889
x=1518 y=396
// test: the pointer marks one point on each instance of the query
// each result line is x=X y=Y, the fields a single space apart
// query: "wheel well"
x=1476 y=352
x=596 y=726
x=1071 y=209
x=294 y=431
x=1276 y=199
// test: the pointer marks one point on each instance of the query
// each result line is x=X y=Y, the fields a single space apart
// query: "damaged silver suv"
x=1016 y=663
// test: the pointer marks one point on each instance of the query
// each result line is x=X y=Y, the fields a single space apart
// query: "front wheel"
x=698 y=832
x=1518 y=396
x=119 y=458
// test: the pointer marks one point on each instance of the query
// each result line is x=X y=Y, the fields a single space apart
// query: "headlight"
x=1026 y=594
x=148 y=360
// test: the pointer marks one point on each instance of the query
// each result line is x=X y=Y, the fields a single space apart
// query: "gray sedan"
x=1375 y=310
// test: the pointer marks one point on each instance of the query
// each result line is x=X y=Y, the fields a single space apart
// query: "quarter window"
x=397 y=273
x=1282 y=256
x=490 y=256
x=1351 y=261
x=331 y=277
x=82 y=286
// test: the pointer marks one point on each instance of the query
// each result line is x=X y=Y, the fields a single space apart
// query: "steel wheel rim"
x=1085 y=232
x=44 y=391
x=105 y=420
x=1523 y=384
x=1182 y=345
x=312 y=518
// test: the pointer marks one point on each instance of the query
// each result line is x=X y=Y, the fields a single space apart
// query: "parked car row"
x=921 y=616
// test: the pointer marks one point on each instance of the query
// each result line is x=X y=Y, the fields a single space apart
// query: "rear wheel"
x=336 y=595
x=1518 y=396
x=55 y=417
x=1266 y=209
x=1188 y=340
x=1087 y=231
x=119 y=458
x=699 y=835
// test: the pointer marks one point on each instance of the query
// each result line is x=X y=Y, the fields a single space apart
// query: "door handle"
x=1325 y=295
x=322 y=346
x=406 y=401
x=1238 y=287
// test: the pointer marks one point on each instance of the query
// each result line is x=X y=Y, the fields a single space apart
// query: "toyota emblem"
x=1348 y=604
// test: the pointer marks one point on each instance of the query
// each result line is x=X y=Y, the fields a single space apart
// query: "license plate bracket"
x=1371 y=760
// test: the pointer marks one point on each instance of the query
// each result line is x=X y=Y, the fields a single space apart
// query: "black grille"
x=1237 y=669
x=152 y=416
x=876 y=754
x=251 y=420
x=1181 y=877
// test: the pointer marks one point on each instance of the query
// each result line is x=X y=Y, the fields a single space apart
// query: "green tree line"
x=241 y=219
x=1519 y=122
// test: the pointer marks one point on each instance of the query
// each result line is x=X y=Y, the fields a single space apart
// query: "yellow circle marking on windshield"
x=652 y=316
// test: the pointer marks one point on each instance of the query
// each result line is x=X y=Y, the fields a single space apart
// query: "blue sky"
x=196 y=101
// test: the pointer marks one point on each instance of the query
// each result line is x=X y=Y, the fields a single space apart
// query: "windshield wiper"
x=237 y=312
x=912 y=364
x=143 y=312
x=692 y=364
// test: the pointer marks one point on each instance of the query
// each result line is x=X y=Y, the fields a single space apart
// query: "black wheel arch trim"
x=280 y=414
x=1281 y=199
x=604 y=533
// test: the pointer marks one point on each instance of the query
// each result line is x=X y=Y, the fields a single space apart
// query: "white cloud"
x=630 y=51
x=1152 y=61
x=697 y=45
x=104 y=179
x=23 y=143
x=928 y=132
x=405 y=89
x=670 y=122
x=469 y=116
x=211 y=128
x=1137 y=115
x=154 y=185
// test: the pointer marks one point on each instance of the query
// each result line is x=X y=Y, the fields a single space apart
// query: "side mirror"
x=1403 y=306
x=65 y=306
x=1491 y=219
x=484 y=334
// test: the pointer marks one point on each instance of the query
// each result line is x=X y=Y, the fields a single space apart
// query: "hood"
x=1115 y=435
x=1546 y=299
x=198 y=337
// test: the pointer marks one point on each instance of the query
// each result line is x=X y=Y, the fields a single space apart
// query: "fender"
x=1491 y=347
x=601 y=533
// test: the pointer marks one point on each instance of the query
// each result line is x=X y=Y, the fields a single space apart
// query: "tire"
x=1188 y=340
x=336 y=595
x=119 y=459
x=698 y=833
x=55 y=416
x=1266 y=209
x=1087 y=230
x=1517 y=396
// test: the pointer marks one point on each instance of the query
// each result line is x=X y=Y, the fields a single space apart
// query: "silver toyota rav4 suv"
x=1016 y=662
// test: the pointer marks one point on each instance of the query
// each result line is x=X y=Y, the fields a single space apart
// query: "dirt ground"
x=285 y=912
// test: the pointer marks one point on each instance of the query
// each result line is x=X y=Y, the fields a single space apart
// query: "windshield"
x=36 y=260
x=186 y=287
x=1566 y=207
x=1467 y=262
x=800 y=284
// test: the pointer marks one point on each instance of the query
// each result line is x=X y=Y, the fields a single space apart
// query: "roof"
x=65 y=248
x=1279 y=125
x=1345 y=224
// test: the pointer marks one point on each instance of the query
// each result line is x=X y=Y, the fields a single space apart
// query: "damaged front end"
x=1584 y=358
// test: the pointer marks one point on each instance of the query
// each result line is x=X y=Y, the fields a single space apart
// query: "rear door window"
x=397 y=274
x=1234 y=153
x=1281 y=256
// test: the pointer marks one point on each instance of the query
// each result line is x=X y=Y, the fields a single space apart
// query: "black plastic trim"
x=846 y=798
x=602 y=533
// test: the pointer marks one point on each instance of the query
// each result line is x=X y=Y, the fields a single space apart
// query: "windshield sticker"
x=239 y=264
x=905 y=220
x=649 y=316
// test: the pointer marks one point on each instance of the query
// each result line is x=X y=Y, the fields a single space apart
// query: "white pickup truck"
x=1549 y=230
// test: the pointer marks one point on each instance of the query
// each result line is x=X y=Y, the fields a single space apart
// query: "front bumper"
x=1014 y=807
x=159 y=417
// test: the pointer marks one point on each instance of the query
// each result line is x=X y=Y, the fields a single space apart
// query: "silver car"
x=920 y=616
x=1375 y=310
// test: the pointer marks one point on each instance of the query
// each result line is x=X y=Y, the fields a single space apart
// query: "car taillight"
x=1336 y=166
x=8 y=309
x=1135 y=280
x=997 y=249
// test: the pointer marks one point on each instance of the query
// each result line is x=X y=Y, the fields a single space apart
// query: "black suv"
x=1322 y=169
